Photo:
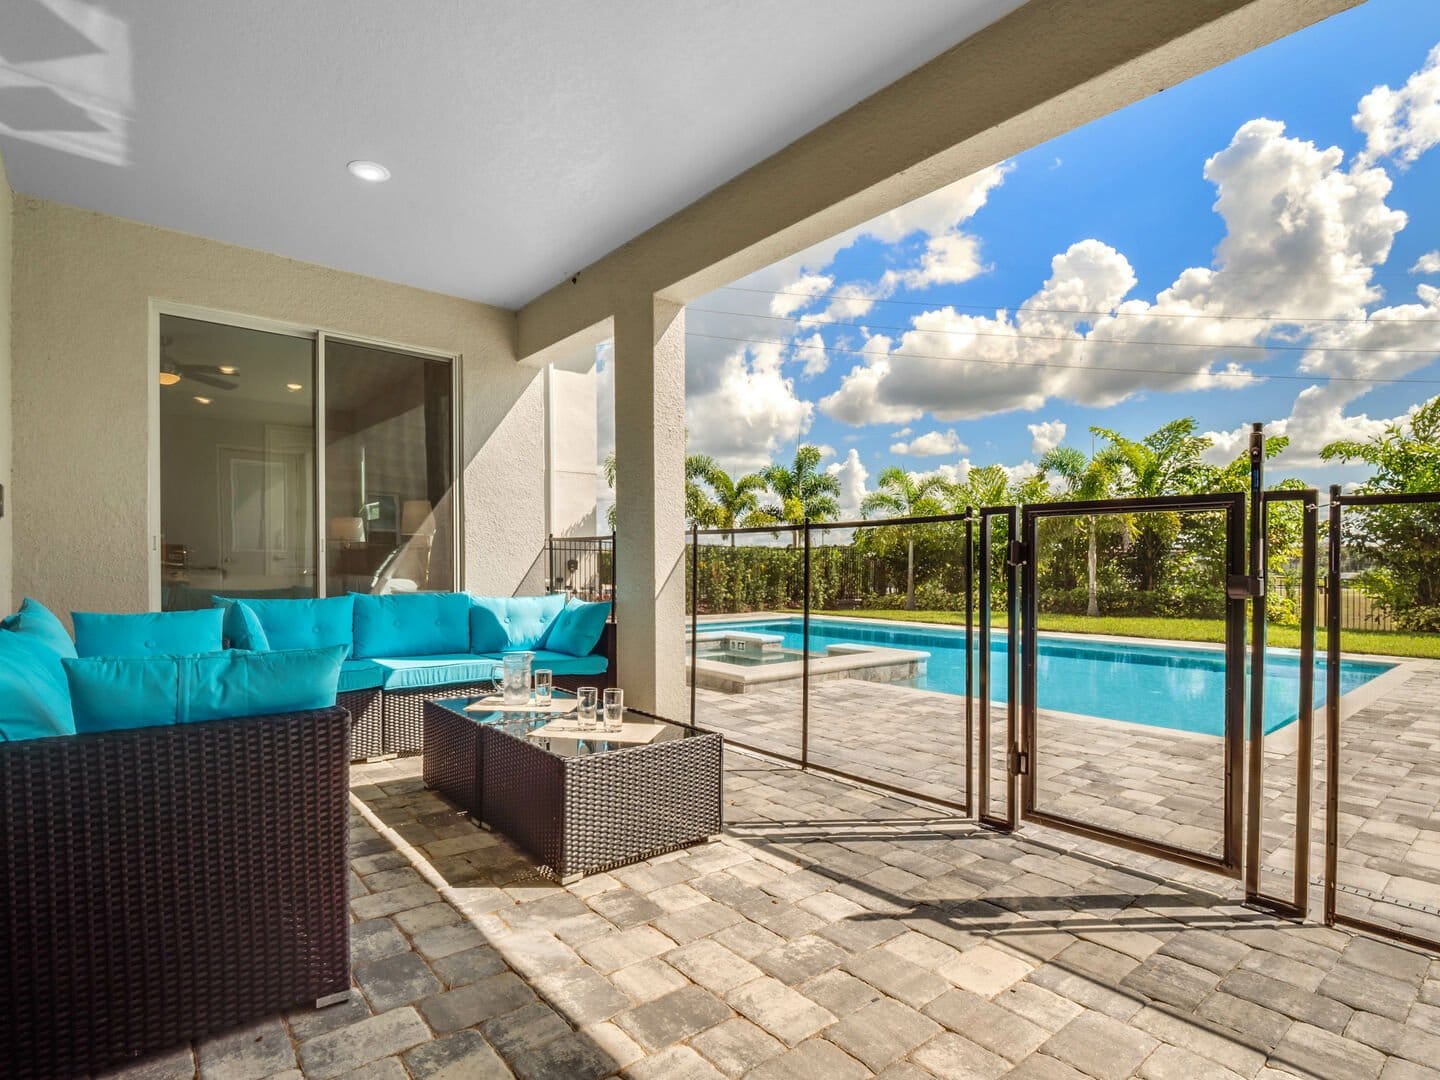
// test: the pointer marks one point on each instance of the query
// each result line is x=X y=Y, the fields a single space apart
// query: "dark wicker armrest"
x=168 y=882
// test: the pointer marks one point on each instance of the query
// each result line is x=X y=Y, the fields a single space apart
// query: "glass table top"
x=525 y=725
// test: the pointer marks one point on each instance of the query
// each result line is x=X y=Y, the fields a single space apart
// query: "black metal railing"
x=583 y=566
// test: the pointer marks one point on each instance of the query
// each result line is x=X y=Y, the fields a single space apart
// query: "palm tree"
x=804 y=492
x=1085 y=479
x=700 y=508
x=898 y=494
x=733 y=504
x=1165 y=462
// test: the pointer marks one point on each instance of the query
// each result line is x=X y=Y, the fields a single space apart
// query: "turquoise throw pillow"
x=412 y=624
x=500 y=623
x=35 y=620
x=577 y=628
x=150 y=633
x=306 y=624
x=237 y=684
x=112 y=693
x=242 y=625
x=34 y=697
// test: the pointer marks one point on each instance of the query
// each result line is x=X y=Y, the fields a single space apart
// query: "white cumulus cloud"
x=747 y=412
x=1429 y=263
x=1046 y=435
x=1303 y=236
x=931 y=444
x=853 y=475
x=1402 y=124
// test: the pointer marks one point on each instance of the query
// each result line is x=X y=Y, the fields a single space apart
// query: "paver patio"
x=834 y=932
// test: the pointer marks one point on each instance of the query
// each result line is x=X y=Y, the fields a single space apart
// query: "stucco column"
x=650 y=504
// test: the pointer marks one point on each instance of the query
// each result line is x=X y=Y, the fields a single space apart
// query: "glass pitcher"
x=515 y=677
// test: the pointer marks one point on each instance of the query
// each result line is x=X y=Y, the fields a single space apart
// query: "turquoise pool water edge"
x=1172 y=686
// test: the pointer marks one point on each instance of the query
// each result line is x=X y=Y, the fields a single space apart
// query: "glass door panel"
x=237 y=463
x=389 y=471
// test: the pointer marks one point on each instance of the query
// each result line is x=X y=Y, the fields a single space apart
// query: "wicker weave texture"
x=169 y=882
x=579 y=815
x=366 y=710
x=636 y=803
x=452 y=757
x=405 y=713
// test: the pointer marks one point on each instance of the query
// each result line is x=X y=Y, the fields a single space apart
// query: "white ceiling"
x=526 y=139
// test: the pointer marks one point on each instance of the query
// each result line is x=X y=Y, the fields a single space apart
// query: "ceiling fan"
x=171 y=372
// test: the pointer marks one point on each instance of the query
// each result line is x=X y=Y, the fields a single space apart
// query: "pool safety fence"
x=1249 y=560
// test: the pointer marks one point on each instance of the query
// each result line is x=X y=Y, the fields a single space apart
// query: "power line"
x=1058 y=311
x=1094 y=341
x=1072 y=367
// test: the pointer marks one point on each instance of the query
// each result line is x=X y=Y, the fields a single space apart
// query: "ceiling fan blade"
x=202 y=376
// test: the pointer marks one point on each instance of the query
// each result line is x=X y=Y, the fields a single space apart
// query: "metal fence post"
x=694 y=616
x=805 y=652
x=1256 y=568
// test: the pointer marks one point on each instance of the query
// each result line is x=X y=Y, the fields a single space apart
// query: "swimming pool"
x=1171 y=686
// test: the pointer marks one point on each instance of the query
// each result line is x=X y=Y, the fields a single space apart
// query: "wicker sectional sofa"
x=164 y=883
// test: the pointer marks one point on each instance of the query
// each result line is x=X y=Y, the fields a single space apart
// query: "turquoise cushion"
x=150 y=633
x=242 y=625
x=500 y=623
x=360 y=675
x=306 y=624
x=234 y=684
x=577 y=628
x=423 y=672
x=412 y=624
x=34 y=696
x=564 y=663
x=113 y=693
x=36 y=621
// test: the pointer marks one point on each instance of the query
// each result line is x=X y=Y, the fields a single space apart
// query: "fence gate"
x=1000 y=759
x=1175 y=794
x=1382 y=764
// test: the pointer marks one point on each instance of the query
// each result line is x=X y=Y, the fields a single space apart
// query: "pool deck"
x=1154 y=782
x=831 y=932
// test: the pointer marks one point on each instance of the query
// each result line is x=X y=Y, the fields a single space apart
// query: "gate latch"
x=1244 y=587
x=1020 y=763
x=1017 y=555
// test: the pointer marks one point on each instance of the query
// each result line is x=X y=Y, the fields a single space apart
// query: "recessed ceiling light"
x=202 y=400
x=372 y=171
x=228 y=369
x=294 y=386
x=169 y=378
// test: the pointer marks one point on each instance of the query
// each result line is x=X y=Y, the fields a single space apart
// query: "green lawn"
x=1384 y=642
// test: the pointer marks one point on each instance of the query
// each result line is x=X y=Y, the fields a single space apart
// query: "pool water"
x=1170 y=686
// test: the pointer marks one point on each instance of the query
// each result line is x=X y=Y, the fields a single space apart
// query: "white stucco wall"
x=572 y=452
x=6 y=438
x=83 y=284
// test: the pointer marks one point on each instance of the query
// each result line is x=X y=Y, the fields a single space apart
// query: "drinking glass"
x=614 y=708
x=585 y=698
x=544 y=687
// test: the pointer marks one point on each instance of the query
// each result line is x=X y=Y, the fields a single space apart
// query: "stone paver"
x=838 y=933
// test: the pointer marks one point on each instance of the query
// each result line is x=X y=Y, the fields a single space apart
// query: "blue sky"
x=1113 y=235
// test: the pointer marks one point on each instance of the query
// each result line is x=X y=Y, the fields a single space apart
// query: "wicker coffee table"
x=578 y=805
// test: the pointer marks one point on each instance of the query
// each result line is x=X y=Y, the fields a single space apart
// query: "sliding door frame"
x=320 y=336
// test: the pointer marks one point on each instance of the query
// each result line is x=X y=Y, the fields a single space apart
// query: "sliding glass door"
x=262 y=496
x=237 y=463
x=389 y=470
